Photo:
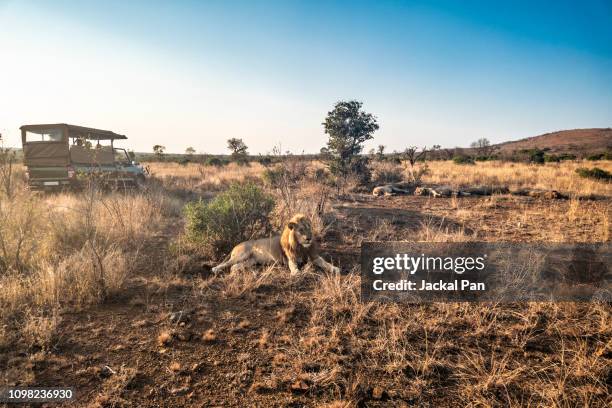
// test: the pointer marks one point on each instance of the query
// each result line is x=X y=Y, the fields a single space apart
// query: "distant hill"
x=582 y=141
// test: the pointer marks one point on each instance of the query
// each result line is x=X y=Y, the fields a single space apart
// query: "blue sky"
x=197 y=73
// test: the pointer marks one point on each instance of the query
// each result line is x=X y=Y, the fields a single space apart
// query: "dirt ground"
x=191 y=339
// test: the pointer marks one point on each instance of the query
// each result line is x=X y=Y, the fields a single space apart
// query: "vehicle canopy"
x=48 y=145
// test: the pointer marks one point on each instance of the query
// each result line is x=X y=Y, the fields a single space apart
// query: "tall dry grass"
x=69 y=250
x=202 y=178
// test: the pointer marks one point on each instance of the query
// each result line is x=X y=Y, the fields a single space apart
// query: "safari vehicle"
x=62 y=156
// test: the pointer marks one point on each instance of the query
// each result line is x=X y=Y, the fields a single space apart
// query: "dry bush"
x=41 y=331
x=384 y=172
x=70 y=249
x=308 y=198
x=433 y=230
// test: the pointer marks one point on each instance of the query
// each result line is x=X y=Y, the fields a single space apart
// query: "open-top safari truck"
x=63 y=156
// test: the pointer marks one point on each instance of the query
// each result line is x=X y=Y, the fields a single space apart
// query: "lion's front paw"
x=215 y=269
x=335 y=269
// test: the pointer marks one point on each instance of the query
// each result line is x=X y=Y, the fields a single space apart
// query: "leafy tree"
x=348 y=127
x=237 y=146
x=159 y=151
x=238 y=150
x=190 y=151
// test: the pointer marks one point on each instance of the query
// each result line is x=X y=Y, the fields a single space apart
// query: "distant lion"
x=433 y=191
x=539 y=193
x=296 y=246
x=391 y=189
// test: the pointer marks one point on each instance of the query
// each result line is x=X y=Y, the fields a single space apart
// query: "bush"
x=551 y=158
x=386 y=172
x=463 y=160
x=287 y=172
x=600 y=156
x=595 y=157
x=595 y=173
x=215 y=161
x=536 y=156
x=567 y=156
x=236 y=215
x=484 y=158
x=265 y=161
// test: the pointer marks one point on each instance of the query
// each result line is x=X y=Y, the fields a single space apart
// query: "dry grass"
x=322 y=342
x=201 y=178
x=551 y=176
x=69 y=250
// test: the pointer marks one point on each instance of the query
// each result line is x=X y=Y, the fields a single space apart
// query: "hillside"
x=571 y=141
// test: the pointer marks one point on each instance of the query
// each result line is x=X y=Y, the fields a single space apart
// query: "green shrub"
x=567 y=156
x=215 y=161
x=600 y=156
x=536 y=156
x=265 y=161
x=485 y=158
x=595 y=173
x=236 y=215
x=551 y=158
x=463 y=160
x=273 y=176
x=594 y=157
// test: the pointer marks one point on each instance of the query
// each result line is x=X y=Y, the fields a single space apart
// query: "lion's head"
x=300 y=231
x=421 y=191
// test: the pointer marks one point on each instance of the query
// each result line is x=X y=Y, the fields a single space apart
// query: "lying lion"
x=296 y=246
x=434 y=191
x=392 y=189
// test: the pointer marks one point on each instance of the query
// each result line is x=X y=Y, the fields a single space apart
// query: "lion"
x=433 y=191
x=295 y=246
x=389 y=190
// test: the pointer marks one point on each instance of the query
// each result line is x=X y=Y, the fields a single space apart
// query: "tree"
x=411 y=155
x=238 y=149
x=483 y=147
x=159 y=151
x=380 y=152
x=190 y=151
x=348 y=127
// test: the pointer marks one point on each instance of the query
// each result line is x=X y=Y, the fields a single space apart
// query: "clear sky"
x=182 y=73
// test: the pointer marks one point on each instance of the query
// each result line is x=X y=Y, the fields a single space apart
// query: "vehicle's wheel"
x=140 y=181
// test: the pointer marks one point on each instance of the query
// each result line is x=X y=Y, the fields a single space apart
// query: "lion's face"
x=302 y=231
x=419 y=191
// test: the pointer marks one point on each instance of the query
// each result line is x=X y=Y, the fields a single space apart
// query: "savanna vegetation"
x=111 y=291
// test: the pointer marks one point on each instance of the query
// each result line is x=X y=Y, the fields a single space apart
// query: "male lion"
x=294 y=247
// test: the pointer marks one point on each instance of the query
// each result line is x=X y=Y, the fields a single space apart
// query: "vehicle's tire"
x=140 y=181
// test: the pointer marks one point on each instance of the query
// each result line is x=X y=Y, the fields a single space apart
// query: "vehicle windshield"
x=44 y=135
x=121 y=156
